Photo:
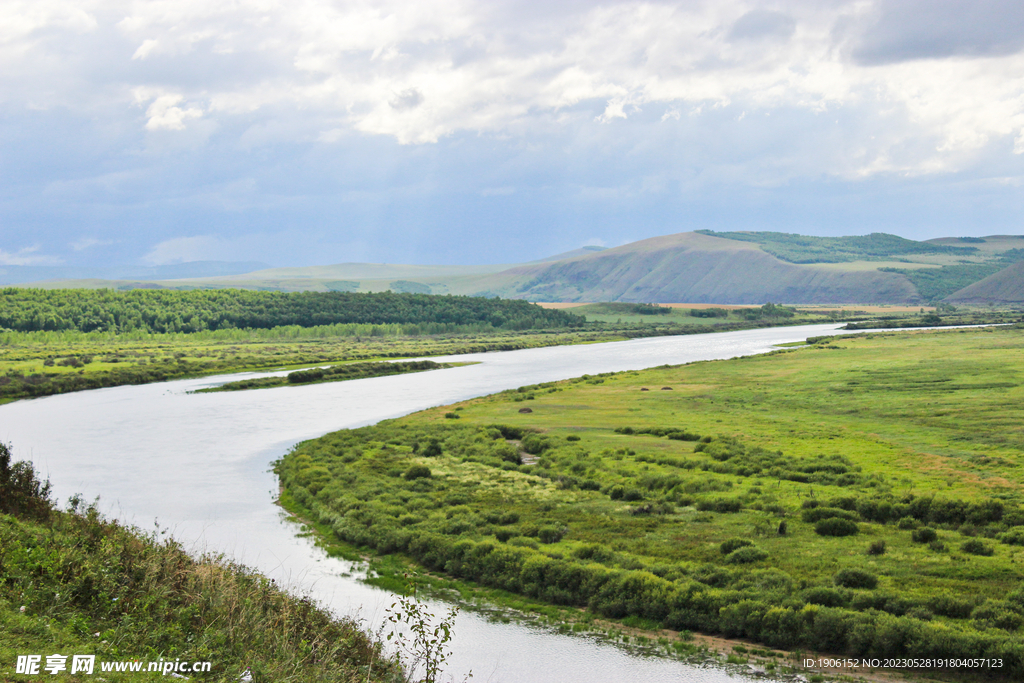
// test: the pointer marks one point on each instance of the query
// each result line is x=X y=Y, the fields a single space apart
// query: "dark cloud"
x=903 y=30
x=759 y=23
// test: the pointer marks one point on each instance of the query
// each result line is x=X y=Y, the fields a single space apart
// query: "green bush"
x=819 y=513
x=1013 y=537
x=551 y=534
x=876 y=548
x=925 y=534
x=977 y=547
x=720 y=505
x=855 y=578
x=21 y=492
x=835 y=526
x=733 y=544
x=825 y=596
x=417 y=472
x=746 y=555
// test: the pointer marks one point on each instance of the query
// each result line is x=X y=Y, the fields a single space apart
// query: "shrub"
x=977 y=547
x=551 y=533
x=825 y=596
x=783 y=528
x=819 y=513
x=925 y=534
x=535 y=445
x=1013 y=537
x=719 y=505
x=733 y=544
x=432 y=450
x=746 y=555
x=21 y=492
x=906 y=523
x=855 y=578
x=572 y=437
x=451 y=416
x=523 y=542
x=416 y=472
x=876 y=548
x=835 y=526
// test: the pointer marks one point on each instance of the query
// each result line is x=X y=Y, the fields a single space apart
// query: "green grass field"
x=862 y=495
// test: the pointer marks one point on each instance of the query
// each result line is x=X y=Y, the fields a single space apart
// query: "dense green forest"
x=158 y=311
x=878 y=246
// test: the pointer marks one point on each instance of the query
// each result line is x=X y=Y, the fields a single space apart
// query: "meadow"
x=45 y=362
x=860 y=495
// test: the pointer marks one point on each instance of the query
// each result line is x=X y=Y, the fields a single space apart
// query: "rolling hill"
x=1004 y=287
x=695 y=267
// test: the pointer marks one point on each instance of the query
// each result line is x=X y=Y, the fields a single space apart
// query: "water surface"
x=198 y=465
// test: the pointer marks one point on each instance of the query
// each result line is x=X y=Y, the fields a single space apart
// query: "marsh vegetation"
x=857 y=496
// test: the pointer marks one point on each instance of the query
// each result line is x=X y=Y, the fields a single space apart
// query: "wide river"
x=198 y=464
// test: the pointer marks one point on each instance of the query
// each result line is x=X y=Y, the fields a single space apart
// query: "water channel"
x=198 y=465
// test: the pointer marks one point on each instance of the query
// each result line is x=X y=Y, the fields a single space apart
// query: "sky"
x=304 y=132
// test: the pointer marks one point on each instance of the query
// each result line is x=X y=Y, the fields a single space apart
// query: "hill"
x=1003 y=287
x=697 y=268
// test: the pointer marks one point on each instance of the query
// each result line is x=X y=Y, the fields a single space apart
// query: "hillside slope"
x=695 y=268
x=1004 y=287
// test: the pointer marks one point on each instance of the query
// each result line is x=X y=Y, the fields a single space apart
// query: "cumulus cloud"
x=914 y=86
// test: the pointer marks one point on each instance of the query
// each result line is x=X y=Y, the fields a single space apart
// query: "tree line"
x=31 y=310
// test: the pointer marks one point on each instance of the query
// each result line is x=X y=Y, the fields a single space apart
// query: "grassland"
x=45 y=363
x=860 y=496
x=73 y=583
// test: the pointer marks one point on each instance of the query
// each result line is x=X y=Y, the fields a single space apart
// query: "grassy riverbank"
x=860 y=496
x=73 y=583
x=334 y=373
x=44 y=363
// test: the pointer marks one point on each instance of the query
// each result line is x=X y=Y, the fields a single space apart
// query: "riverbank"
x=857 y=496
x=74 y=583
x=34 y=364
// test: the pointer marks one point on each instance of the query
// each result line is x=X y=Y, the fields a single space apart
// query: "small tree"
x=428 y=645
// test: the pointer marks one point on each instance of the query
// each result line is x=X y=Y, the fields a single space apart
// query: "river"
x=197 y=465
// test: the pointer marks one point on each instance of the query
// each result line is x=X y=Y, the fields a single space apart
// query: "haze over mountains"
x=694 y=267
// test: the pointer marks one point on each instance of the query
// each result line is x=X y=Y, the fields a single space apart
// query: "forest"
x=161 y=311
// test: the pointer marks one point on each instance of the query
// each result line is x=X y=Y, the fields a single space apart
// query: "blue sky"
x=306 y=132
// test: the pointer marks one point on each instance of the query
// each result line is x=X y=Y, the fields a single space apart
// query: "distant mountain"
x=10 y=275
x=696 y=268
x=691 y=267
x=1004 y=287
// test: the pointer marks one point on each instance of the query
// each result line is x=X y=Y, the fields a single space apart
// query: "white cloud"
x=163 y=113
x=184 y=249
x=421 y=71
x=27 y=256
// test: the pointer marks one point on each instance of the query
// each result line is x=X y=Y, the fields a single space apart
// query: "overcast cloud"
x=310 y=131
